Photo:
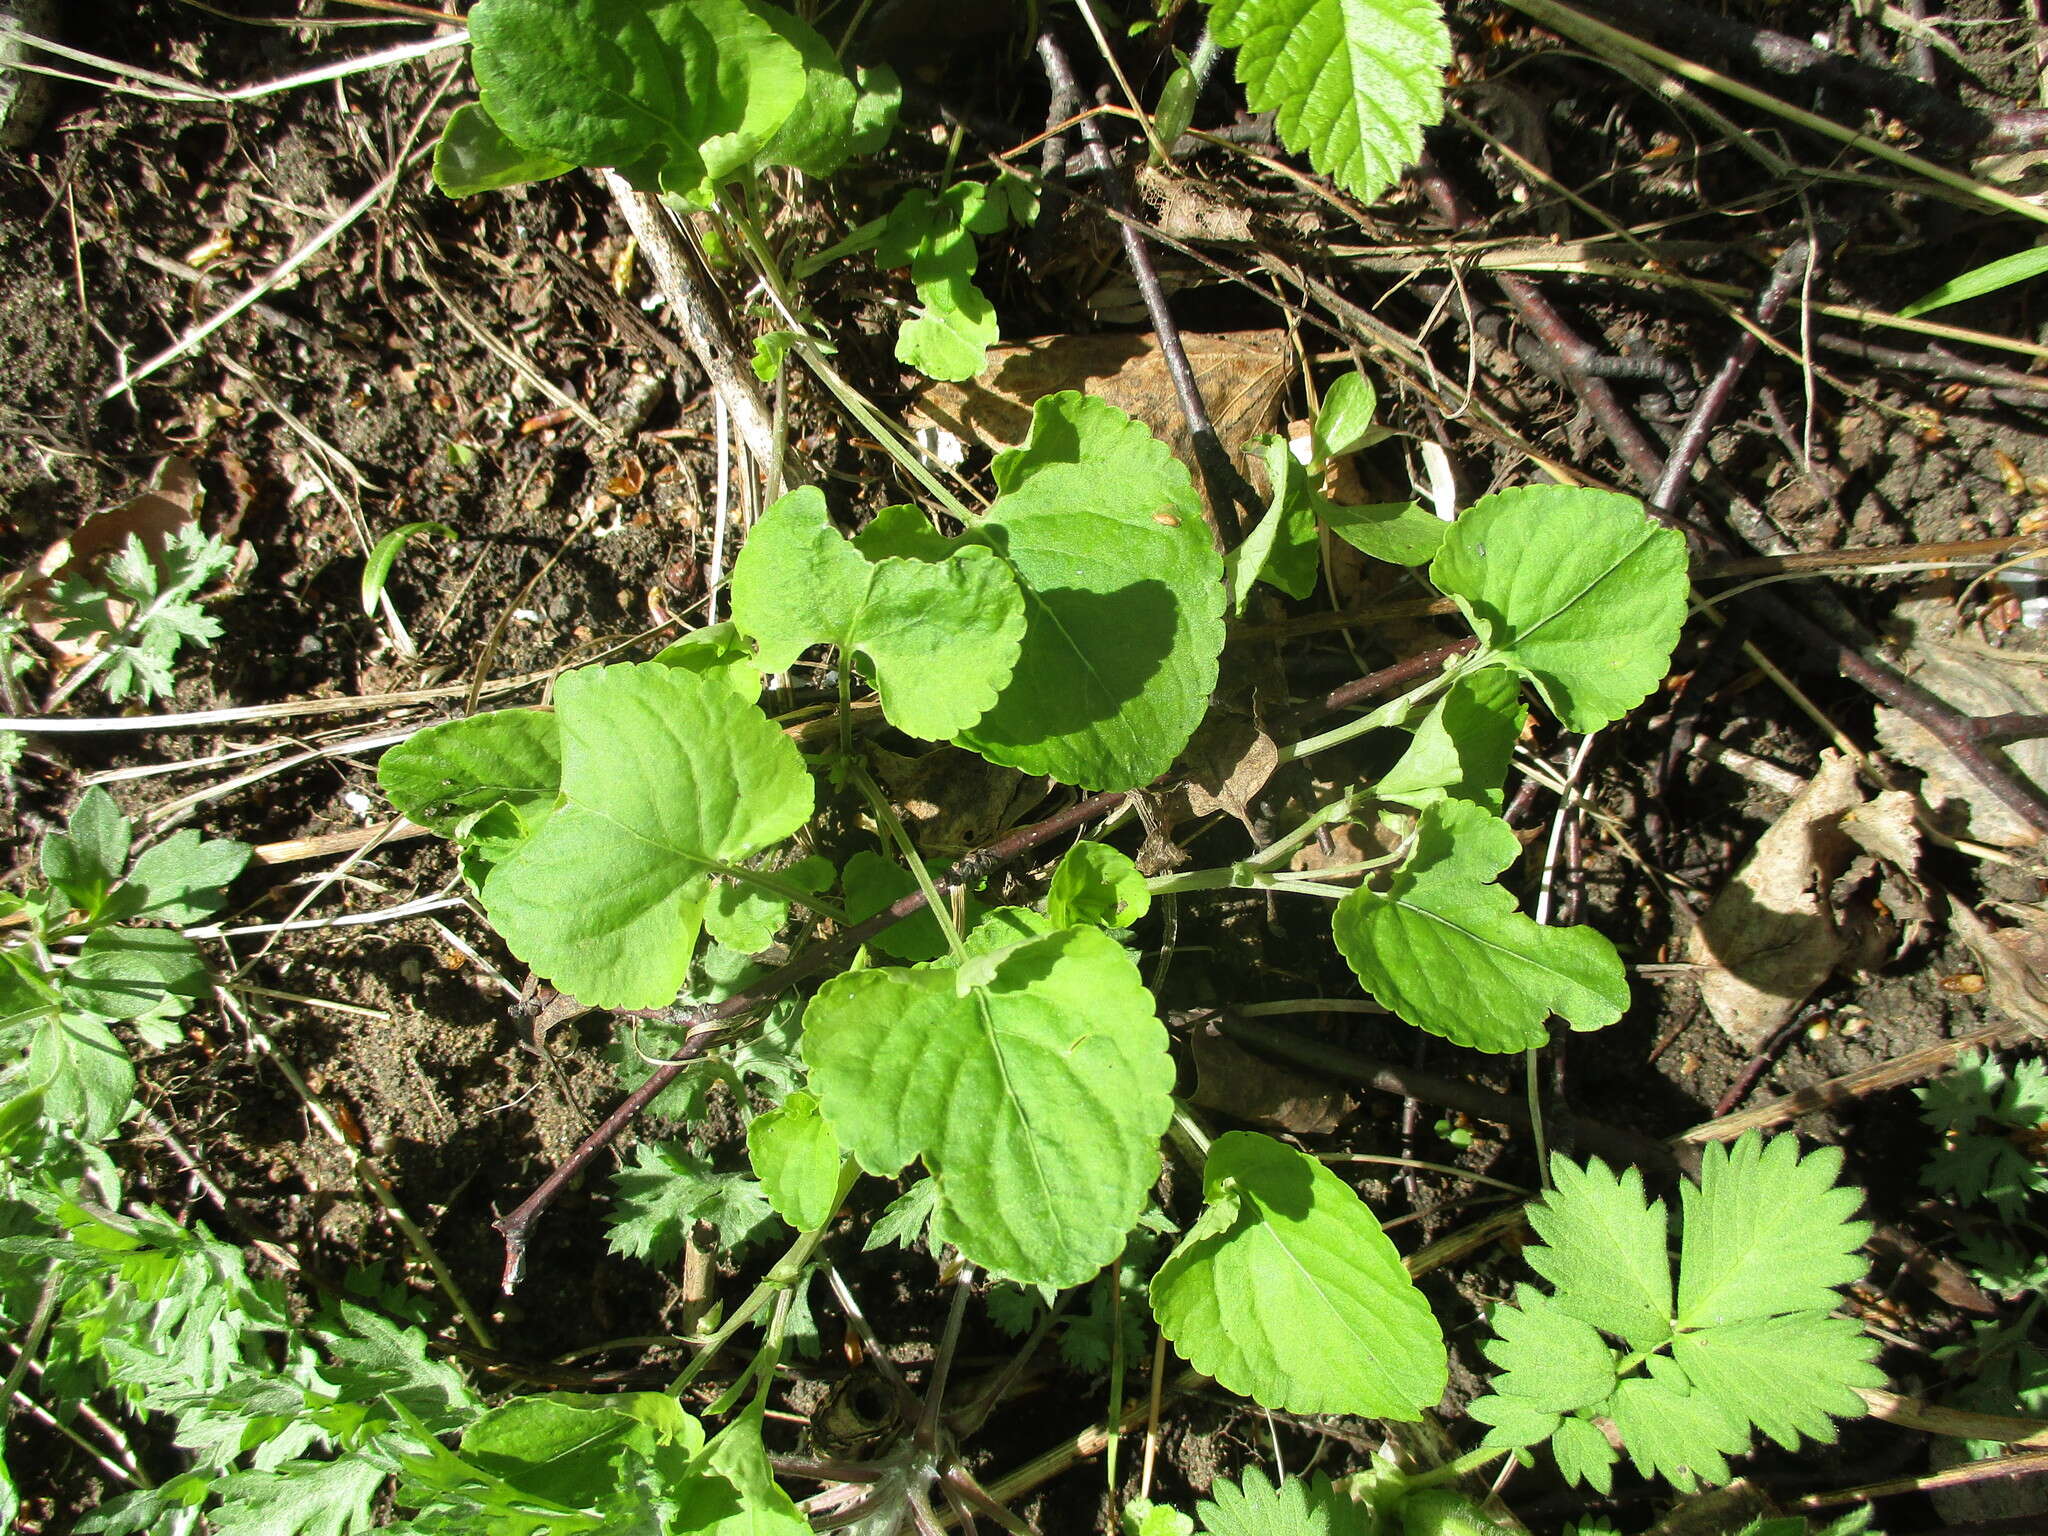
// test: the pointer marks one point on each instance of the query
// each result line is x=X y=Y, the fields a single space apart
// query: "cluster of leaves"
x=84 y=957
x=133 y=611
x=1991 y=1161
x=1747 y=1341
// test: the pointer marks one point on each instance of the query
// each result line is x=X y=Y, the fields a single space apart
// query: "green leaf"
x=1399 y=532
x=1984 y=1112
x=1463 y=746
x=871 y=882
x=904 y=1219
x=1752 y=1344
x=369 y=1356
x=817 y=136
x=1282 y=548
x=456 y=770
x=668 y=1190
x=475 y=156
x=183 y=878
x=300 y=1498
x=665 y=778
x=1251 y=1506
x=123 y=973
x=1978 y=281
x=1584 y=1454
x=1579 y=590
x=85 y=860
x=1300 y=1302
x=1673 y=1432
x=716 y=651
x=939 y=639
x=1766 y=1232
x=1349 y=406
x=737 y=1455
x=384 y=555
x=1605 y=1250
x=1789 y=1376
x=1123 y=600
x=746 y=918
x=1515 y=1422
x=1035 y=1096
x=83 y=1071
x=1099 y=885
x=1445 y=948
x=955 y=324
x=796 y=1158
x=1354 y=81
x=1550 y=1361
x=674 y=95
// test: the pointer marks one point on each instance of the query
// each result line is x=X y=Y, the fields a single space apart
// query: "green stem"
x=892 y=827
x=806 y=346
x=1393 y=712
x=778 y=1281
x=1455 y=1468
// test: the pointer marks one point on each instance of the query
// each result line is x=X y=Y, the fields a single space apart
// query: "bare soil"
x=394 y=379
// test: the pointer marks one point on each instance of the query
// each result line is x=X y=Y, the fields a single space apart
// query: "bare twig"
x=698 y=309
x=1226 y=488
x=1713 y=401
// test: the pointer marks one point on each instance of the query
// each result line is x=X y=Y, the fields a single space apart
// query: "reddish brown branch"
x=1225 y=486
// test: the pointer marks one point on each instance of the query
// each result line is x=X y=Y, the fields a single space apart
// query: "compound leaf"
x=1354 y=81
x=667 y=1190
x=124 y=973
x=1766 y=1231
x=1674 y=1432
x=1251 y=1506
x=1034 y=1085
x=453 y=771
x=85 y=1075
x=666 y=776
x=1123 y=597
x=299 y=1498
x=85 y=860
x=1293 y=1296
x=1577 y=589
x=1445 y=948
x=1550 y=1361
x=940 y=639
x=183 y=878
x=1985 y=1112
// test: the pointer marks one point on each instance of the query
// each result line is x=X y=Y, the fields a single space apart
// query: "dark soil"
x=374 y=389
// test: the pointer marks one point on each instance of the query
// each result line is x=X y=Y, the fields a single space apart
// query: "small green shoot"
x=377 y=569
x=139 y=612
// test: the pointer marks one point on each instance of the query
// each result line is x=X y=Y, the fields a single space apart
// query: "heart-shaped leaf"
x=667 y=777
x=939 y=638
x=1034 y=1089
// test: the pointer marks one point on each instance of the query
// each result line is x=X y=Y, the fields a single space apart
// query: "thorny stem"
x=1225 y=486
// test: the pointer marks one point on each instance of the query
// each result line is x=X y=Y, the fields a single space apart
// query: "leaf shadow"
x=1085 y=656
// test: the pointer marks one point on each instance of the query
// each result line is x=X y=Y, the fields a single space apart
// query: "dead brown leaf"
x=1775 y=933
x=1241 y=376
